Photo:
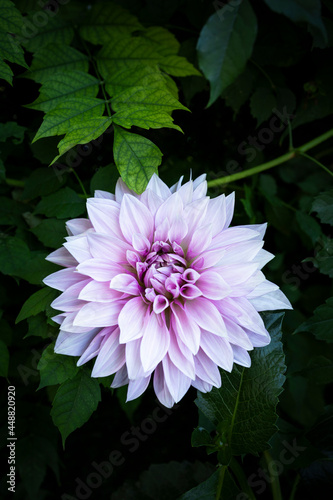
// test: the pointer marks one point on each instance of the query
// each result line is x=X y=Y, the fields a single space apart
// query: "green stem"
x=80 y=182
x=220 y=483
x=317 y=163
x=295 y=485
x=272 y=163
x=241 y=478
x=275 y=483
x=86 y=48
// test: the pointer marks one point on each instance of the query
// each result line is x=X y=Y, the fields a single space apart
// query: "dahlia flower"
x=159 y=286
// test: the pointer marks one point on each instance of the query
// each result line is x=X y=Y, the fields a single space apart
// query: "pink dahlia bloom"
x=158 y=285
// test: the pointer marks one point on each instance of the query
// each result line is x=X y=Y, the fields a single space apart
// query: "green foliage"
x=136 y=157
x=10 y=49
x=63 y=204
x=105 y=92
x=243 y=409
x=51 y=232
x=321 y=323
x=54 y=368
x=69 y=90
x=36 y=303
x=17 y=260
x=74 y=402
x=225 y=45
x=323 y=205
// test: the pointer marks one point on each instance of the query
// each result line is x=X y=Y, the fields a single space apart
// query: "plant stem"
x=272 y=163
x=220 y=483
x=242 y=480
x=317 y=163
x=80 y=182
x=86 y=48
x=275 y=483
x=295 y=485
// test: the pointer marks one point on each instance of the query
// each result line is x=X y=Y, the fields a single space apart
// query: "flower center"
x=165 y=276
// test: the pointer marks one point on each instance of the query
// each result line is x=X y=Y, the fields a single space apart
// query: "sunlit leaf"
x=62 y=86
x=136 y=158
x=107 y=20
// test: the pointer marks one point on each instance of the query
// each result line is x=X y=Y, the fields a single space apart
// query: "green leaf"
x=41 y=182
x=127 y=78
x=207 y=489
x=321 y=323
x=11 y=212
x=10 y=50
x=10 y=17
x=4 y=359
x=239 y=91
x=324 y=256
x=323 y=205
x=308 y=225
x=63 y=204
x=37 y=303
x=5 y=72
x=61 y=86
x=69 y=113
x=136 y=158
x=144 y=118
x=12 y=129
x=243 y=409
x=11 y=23
x=55 y=368
x=53 y=58
x=165 y=43
x=55 y=31
x=104 y=179
x=225 y=45
x=16 y=259
x=38 y=326
x=262 y=103
x=201 y=437
x=178 y=66
x=75 y=401
x=146 y=107
x=82 y=133
x=151 y=98
x=51 y=232
x=108 y=20
x=308 y=11
x=126 y=53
